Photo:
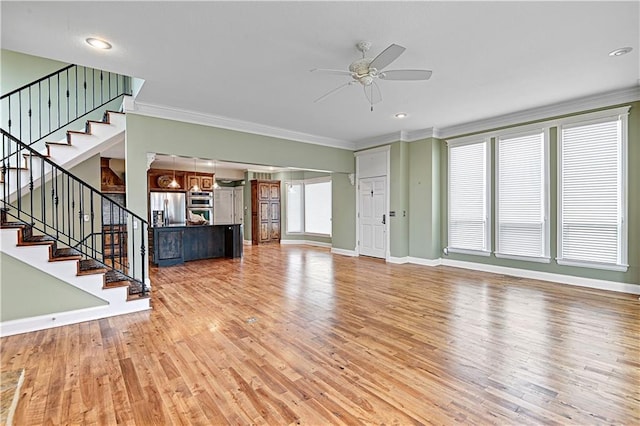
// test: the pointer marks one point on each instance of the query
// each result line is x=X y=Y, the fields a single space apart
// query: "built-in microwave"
x=202 y=199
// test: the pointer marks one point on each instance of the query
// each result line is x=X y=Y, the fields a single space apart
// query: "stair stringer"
x=38 y=257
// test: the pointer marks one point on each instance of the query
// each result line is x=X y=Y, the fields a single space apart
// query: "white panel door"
x=238 y=205
x=372 y=198
x=223 y=206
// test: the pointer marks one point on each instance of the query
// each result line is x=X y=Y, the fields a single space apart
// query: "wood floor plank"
x=297 y=335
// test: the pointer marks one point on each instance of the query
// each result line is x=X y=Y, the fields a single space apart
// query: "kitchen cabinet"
x=171 y=245
x=204 y=181
x=228 y=205
x=265 y=211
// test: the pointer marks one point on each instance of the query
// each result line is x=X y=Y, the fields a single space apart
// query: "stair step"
x=10 y=225
x=90 y=266
x=64 y=254
x=34 y=240
x=132 y=297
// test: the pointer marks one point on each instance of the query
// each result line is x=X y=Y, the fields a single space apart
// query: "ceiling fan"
x=366 y=70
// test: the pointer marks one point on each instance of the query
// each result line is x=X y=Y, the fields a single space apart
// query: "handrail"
x=44 y=106
x=36 y=81
x=59 y=204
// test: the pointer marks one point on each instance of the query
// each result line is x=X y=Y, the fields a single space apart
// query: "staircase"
x=55 y=222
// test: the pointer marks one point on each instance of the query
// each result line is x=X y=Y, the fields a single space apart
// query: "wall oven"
x=203 y=199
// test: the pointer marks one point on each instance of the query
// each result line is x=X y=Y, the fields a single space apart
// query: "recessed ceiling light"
x=401 y=115
x=621 y=51
x=98 y=43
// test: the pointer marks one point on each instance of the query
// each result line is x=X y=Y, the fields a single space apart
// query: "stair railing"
x=59 y=204
x=38 y=109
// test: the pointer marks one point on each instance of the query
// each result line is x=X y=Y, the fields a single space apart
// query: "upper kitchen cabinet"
x=160 y=179
x=203 y=180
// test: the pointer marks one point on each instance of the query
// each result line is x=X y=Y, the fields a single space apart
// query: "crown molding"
x=573 y=106
x=177 y=114
x=401 y=136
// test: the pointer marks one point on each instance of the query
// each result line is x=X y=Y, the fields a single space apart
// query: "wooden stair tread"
x=57 y=143
x=65 y=253
x=16 y=224
x=37 y=239
x=90 y=266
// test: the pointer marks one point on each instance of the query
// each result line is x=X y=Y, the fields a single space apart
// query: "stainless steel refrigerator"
x=172 y=205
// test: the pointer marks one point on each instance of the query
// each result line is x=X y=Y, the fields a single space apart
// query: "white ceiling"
x=250 y=61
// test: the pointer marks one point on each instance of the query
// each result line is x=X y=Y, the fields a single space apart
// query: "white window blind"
x=522 y=206
x=468 y=212
x=592 y=204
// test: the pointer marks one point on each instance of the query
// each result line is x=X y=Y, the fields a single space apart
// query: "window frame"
x=523 y=131
x=486 y=251
x=617 y=114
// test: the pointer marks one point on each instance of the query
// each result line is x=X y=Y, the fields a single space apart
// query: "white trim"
x=247 y=242
x=616 y=97
x=386 y=148
x=187 y=116
x=344 y=252
x=42 y=322
x=525 y=258
x=305 y=242
x=401 y=136
x=467 y=251
x=546 y=276
x=592 y=265
x=425 y=262
x=398 y=260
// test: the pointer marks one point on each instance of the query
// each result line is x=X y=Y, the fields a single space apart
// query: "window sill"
x=593 y=265
x=524 y=258
x=468 y=251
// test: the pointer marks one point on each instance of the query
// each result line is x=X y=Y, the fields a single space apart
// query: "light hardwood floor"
x=298 y=335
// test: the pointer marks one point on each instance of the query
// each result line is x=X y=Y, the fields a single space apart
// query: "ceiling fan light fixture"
x=98 y=43
x=621 y=51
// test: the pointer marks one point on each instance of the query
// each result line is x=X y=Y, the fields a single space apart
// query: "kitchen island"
x=179 y=243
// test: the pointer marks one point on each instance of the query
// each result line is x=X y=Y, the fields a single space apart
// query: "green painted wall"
x=424 y=194
x=36 y=293
x=18 y=69
x=633 y=273
x=147 y=134
x=343 y=212
x=399 y=199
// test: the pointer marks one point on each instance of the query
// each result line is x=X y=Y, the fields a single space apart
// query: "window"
x=592 y=193
x=294 y=208
x=317 y=207
x=309 y=206
x=522 y=197
x=468 y=197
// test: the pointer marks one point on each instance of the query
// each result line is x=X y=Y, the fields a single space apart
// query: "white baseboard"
x=306 y=243
x=344 y=252
x=546 y=276
x=246 y=242
x=398 y=260
x=42 y=322
x=425 y=262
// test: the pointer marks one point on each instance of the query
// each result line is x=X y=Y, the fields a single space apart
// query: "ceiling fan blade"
x=373 y=94
x=326 y=71
x=331 y=92
x=406 y=75
x=387 y=56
